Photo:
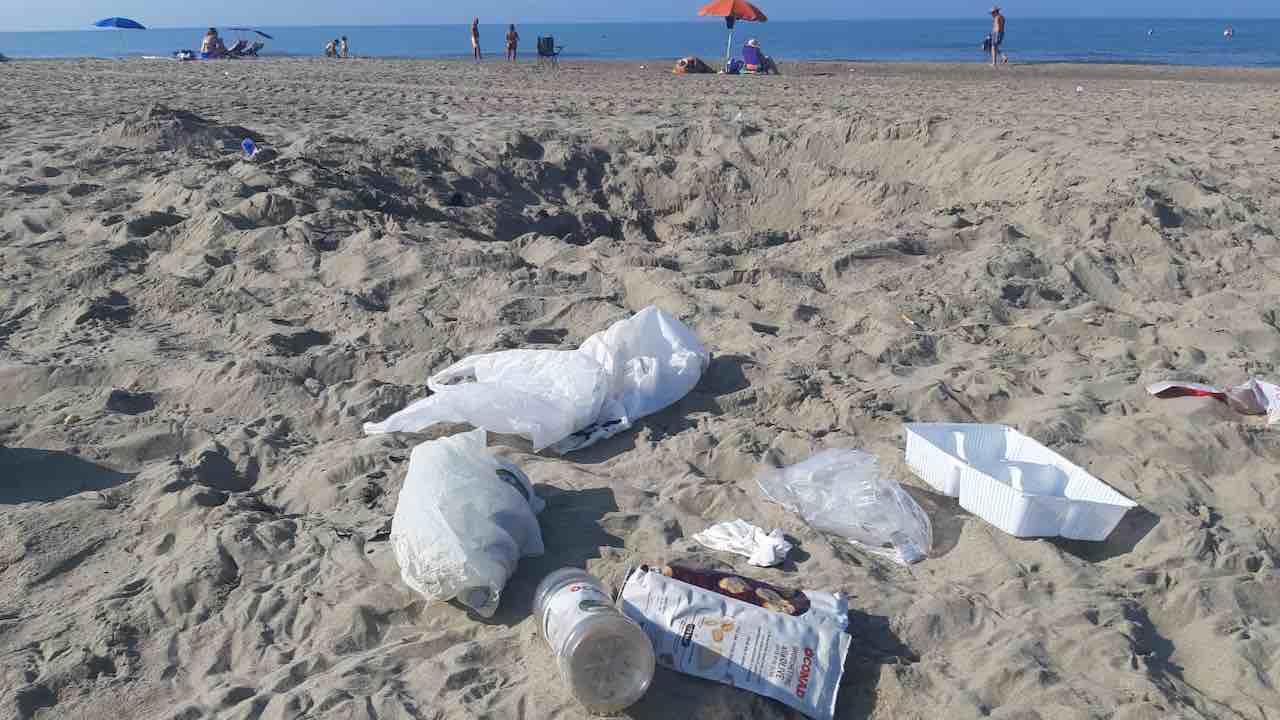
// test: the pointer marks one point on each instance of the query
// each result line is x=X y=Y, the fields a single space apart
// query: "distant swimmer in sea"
x=997 y=35
x=475 y=39
x=1229 y=33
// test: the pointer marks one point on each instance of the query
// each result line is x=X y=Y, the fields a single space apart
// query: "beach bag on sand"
x=463 y=521
x=565 y=400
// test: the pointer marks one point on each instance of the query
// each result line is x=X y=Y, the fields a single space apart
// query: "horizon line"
x=650 y=21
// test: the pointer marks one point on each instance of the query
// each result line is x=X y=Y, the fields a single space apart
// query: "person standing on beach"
x=346 y=49
x=997 y=33
x=475 y=39
x=513 y=42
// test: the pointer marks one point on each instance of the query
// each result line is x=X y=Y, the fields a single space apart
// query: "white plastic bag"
x=842 y=492
x=566 y=399
x=742 y=538
x=463 y=520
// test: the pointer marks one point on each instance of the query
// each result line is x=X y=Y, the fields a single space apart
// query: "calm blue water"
x=1177 y=42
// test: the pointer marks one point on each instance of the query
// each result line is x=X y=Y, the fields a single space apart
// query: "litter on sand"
x=742 y=538
x=779 y=643
x=843 y=493
x=463 y=520
x=565 y=399
x=1014 y=482
x=1255 y=397
x=604 y=657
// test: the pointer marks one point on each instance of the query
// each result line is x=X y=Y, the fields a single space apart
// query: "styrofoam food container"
x=1014 y=482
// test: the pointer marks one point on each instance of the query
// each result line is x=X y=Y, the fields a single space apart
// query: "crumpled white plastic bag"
x=463 y=520
x=565 y=400
x=742 y=538
x=843 y=493
x=1255 y=397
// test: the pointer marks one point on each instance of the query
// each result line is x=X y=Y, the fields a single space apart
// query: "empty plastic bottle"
x=605 y=658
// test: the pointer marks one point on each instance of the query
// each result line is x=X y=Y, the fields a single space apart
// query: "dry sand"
x=193 y=526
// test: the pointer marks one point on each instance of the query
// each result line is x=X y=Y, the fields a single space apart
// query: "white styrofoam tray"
x=1014 y=482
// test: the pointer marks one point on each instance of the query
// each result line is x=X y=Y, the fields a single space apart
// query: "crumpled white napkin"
x=742 y=538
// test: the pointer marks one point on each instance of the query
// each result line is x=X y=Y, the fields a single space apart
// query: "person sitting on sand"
x=211 y=46
x=475 y=39
x=346 y=48
x=756 y=60
x=513 y=42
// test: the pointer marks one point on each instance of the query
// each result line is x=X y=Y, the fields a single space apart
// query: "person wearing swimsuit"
x=475 y=39
x=997 y=33
x=513 y=42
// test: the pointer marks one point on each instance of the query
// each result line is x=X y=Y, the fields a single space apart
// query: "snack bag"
x=796 y=659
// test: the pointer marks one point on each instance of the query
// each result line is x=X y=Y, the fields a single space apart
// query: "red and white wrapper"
x=1255 y=397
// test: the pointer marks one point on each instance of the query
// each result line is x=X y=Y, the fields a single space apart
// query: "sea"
x=1256 y=43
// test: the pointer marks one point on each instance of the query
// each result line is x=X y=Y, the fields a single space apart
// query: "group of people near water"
x=513 y=42
x=337 y=48
x=213 y=46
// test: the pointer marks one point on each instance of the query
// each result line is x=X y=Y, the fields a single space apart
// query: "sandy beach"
x=193 y=525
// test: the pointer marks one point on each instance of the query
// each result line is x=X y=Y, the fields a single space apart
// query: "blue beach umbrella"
x=252 y=30
x=120 y=23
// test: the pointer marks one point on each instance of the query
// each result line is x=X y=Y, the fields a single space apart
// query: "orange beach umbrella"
x=739 y=9
x=732 y=11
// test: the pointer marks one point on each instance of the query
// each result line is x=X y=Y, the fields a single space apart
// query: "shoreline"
x=791 y=68
x=568 y=58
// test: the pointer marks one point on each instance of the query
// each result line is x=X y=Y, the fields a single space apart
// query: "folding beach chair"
x=549 y=51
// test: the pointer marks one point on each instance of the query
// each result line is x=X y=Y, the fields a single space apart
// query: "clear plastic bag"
x=463 y=520
x=561 y=399
x=843 y=493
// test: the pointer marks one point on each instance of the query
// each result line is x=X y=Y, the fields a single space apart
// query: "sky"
x=72 y=14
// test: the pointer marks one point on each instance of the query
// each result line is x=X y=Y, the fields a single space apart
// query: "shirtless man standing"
x=997 y=33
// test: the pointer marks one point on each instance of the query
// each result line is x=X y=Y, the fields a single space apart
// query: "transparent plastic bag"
x=565 y=399
x=843 y=493
x=463 y=520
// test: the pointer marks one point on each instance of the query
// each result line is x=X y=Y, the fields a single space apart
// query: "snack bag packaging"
x=791 y=655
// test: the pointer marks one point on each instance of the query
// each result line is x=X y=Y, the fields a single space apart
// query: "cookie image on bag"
x=733 y=585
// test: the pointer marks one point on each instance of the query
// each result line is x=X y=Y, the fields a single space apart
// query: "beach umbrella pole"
x=728 y=48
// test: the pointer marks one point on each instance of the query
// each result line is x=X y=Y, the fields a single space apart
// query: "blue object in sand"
x=250 y=148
